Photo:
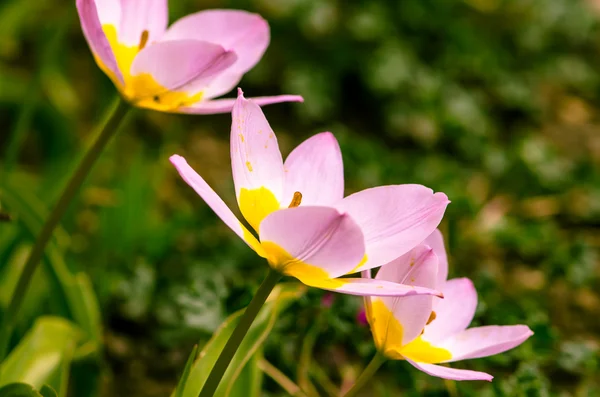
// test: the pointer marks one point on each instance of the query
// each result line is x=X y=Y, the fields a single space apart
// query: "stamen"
x=296 y=200
x=143 y=40
x=432 y=317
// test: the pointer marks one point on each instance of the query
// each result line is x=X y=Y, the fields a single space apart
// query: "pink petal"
x=182 y=65
x=416 y=268
x=245 y=33
x=403 y=269
x=485 y=341
x=109 y=12
x=94 y=35
x=315 y=169
x=367 y=299
x=436 y=241
x=370 y=287
x=214 y=201
x=138 y=16
x=255 y=157
x=453 y=313
x=394 y=219
x=330 y=242
x=451 y=373
x=216 y=106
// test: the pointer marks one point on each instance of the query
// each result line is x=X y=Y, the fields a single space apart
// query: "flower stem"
x=367 y=374
x=108 y=128
x=238 y=334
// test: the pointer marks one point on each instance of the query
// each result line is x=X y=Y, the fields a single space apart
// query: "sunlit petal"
x=394 y=219
x=315 y=169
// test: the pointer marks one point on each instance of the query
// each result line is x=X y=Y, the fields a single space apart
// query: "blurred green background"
x=494 y=102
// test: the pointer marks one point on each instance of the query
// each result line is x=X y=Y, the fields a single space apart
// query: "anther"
x=296 y=200
x=143 y=40
x=432 y=317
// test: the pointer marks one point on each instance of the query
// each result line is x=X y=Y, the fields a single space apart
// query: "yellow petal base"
x=387 y=334
x=142 y=90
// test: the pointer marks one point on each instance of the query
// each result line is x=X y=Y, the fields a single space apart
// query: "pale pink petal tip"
x=175 y=159
x=240 y=93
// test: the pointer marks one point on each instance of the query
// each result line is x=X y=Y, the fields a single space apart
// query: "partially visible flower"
x=179 y=69
x=427 y=331
x=361 y=318
x=327 y=300
x=306 y=229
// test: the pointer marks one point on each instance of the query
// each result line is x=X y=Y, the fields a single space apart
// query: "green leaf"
x=75 y=291
x=249 y=382
x=25 y=390
x=47 y=391
x=19 y=390
x=43 y=355
x=186 y=372
x=283 y=295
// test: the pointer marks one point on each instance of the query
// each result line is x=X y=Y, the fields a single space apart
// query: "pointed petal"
x=226 y=105
x=315 y=169
x=371 y=288
x=313 y=244
x=394 y=219
x=485 y=341
x=245 y=33
x=436 y=241
x=450 y=373
x=455 y=312
x=177 y=65
x=255 y=161
x=96 y=39
x=417 y=268
x=214 y=202
x=139 y=16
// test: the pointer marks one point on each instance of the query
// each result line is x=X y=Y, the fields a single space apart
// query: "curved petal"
x=397 y=321
x=96 y=39
x=313 y=244
x=215 y=202
x=256 y=162
x=109 y=12
x=367 y=300
x=485 y=341
x=139 y=16
x=404 y=269
x=394 y=219
x=245 y=33
x=216 y=106
x=455 y=312
x=450 y=373
x=371 y=287
x=436 y=241
x=175 y=65
x=315 y=169
x=222 y=84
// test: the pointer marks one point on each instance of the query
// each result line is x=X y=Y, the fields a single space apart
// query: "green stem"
x=108 y=128
x=367 y=374
x=212 y=382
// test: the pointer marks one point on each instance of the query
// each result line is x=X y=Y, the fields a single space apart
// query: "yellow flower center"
x=281 y=260
x=256 y=204
x=142 y=89
x=387 y=334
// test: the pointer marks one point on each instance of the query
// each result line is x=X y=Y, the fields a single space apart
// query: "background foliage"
x=494 y=102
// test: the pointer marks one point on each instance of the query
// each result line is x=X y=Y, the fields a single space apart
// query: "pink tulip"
x=305 y=228
x=180 y=68
x=427 y=331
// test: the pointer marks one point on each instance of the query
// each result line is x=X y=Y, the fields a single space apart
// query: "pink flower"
x=427 y=331
x=179 y=69
x=305 y=228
